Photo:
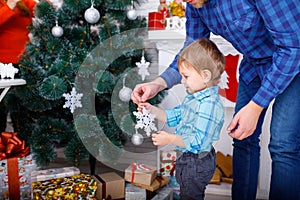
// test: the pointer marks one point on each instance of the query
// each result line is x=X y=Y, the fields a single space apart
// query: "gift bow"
x=11 y=146
x=136 y=166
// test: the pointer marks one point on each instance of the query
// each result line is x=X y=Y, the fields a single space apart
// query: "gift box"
x=47 y=174
x=166 y=156
x=133 y=192
x=110 y=186
x=167 y=169
x=158 y=182
x=25 y=192
x=25 y=166
x=14 y=174
x=174 y=185
x=156 y=21
x=216 y=179
x=164 y=193
x=81 y=186
x=140 y=173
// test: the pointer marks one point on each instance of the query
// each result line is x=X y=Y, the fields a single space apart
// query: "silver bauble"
x=125 y=94
x=137 y=139
x=132 y=14
x=57 y=31
x=92 y=15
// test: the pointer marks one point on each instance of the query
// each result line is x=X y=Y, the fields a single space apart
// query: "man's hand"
x=245 y=121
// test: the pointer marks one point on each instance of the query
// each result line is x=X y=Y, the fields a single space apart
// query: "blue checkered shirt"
x=200 y=118
x=266 y=32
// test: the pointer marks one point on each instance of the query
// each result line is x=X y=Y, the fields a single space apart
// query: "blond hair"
x=203 y=54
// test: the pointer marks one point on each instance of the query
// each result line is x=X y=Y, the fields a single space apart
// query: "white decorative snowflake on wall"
x=145 y=121
x=73 y=100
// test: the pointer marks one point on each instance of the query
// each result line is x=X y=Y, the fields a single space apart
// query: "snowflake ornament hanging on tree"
x=145 y=121
x=73 y=100
x=143 y=67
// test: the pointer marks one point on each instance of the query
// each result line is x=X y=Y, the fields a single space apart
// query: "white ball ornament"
x=125 y=94
x=92 y=15
x=132 y=14
x=137 y=139
x=57 y=31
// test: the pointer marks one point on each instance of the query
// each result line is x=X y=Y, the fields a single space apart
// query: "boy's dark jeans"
x=193 y=173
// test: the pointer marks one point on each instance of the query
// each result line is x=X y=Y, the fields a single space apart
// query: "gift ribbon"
x=162 y=21
x=12 y=148
x=103 y=186
x=135 y=166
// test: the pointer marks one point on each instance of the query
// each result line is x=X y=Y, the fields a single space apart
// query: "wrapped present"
x=81 y=186
x=156 y=21
x=110 y=186
x=168 y=156
x=25 y=192
x=140 y=173
x=174 y=185
x=216 y=179
x=158 y=182
x=133 y=192
x=224 y=163
x=11 y=149
x=47 y=174
x=164 y=193
x=167 y=169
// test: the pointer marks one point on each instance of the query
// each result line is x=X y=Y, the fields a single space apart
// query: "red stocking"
x=229 y=83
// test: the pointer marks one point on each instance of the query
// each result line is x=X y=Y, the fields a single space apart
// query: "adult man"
x=267 y=34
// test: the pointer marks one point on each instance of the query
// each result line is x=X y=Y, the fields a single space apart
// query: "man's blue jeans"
x=284 y=146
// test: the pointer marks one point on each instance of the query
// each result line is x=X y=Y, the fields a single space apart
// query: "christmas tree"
x=79 y=66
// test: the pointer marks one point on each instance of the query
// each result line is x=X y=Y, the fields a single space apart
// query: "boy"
x=199 y=118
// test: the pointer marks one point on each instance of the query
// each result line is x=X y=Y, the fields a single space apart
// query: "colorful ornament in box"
x=14 y=174
x=81 y=186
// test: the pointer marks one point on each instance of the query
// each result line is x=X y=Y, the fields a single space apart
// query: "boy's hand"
x=161 y=138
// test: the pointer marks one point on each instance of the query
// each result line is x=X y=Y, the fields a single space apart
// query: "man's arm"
x=195 y=29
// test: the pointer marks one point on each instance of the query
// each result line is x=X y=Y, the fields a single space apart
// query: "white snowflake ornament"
x=145 y=121
x=73 y=100
x=7 y=70
x=143 y=67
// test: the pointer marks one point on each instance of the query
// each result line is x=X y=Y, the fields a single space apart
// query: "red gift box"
x=12 y=148
x=156 y=21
